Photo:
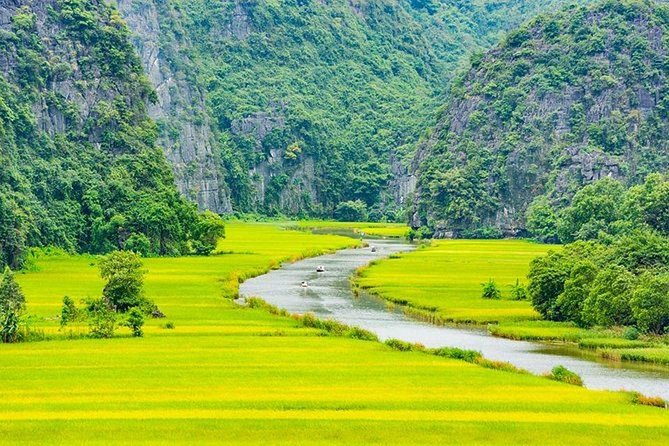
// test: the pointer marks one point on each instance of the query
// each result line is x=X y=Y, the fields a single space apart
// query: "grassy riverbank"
x=235 y=375
x=441 y=283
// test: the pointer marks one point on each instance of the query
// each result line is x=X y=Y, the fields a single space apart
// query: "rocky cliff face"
x=80 y=167
x=184 y=123
x=564 y=101
x=355 y=80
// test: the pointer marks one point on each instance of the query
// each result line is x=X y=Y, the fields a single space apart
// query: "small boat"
x=304 y=284
x=373 y=248
x=320 y=269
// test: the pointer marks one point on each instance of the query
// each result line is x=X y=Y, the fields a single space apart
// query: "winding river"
x=329 y=295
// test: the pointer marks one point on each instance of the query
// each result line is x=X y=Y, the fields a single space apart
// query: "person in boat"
x=320 y=269
x=305 y=284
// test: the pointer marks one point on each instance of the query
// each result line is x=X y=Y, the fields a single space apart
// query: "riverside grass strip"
x=236 y=375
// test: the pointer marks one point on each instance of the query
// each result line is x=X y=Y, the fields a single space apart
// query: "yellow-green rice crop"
x=232 y=375
x=445 y=278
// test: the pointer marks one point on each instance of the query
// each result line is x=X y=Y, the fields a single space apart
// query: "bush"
x=101 y=318
x=565 y=375
x=490 y=290
x=136 y=322
x=69 y=312
x=631 y=333
x=518 y=291
x=12 y=306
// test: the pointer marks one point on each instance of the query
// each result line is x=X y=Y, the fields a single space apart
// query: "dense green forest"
x=564 y=100
x=317 y=103
x=614 y=271
x=80 y=167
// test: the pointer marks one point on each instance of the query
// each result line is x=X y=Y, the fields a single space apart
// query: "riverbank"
x=233 y=375
x=441 y=283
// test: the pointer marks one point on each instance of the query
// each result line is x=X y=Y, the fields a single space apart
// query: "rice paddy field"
x=235 y=375
x=442 y=283
x=445 y=279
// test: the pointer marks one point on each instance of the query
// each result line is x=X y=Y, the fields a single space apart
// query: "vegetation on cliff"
x=567 y=99
x=80 y=168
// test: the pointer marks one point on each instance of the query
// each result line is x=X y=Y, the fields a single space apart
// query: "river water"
x=329 y=295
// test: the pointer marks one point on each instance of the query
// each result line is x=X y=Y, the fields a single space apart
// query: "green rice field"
x=232 y=375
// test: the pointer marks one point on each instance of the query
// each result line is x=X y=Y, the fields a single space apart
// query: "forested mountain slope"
x=79 y=167
x=564 y=100
x=309 y=102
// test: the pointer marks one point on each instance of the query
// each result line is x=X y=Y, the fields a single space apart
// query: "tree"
x=593 y=209
x=125 y=279
x=568 y=305
x=351 y=211
x=12 y=306
x=608 y=303
x=546 y=282
x=208 y=231
x=650 y=303
x=542 y=220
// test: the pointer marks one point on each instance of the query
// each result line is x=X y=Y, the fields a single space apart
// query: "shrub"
x=653 y=401
x=136 y=322
x=457 y=353
x=169 y=325
x=12 y=305
x=362 y=334
x=9 y=327
x=565 y=375
x=490 y=290
x=518 y=291
x=101 y=318
x=404 y=346
x=69 y=312
x=631 y=333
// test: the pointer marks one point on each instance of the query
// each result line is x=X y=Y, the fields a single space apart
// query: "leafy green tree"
x=12 y=299
x=125 y=279
x=547 y=276
x=542 y=220
x=208 y=231
x=593 y=209
x=351 y=211
x=650 y=303
x=608 y=303
x=12 y=306
x=648 y=203
x=569 y=304
x=639 y=250
x=138 y=243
